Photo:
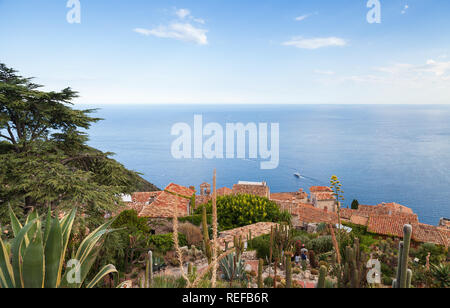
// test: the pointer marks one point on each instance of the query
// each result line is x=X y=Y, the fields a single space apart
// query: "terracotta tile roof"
x=324 y=196
x=388 y=225
x=164 y=205
x=429 y=234
x=308 y=214
x=386 y=210
x=445 y=233
x=397 y=207
x=347 y=213
x=359 y=220
x=292 y=206
x=317 y=189
x=224 y=191
x=289 y=196
x=144 y=196
x=179 y=190
x=256 y=190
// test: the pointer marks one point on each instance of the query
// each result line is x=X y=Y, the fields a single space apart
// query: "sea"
x=380 y=153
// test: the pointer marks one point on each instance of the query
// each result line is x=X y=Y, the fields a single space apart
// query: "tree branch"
x=68 y=160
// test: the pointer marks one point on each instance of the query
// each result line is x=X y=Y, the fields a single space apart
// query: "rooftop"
x=318 y=189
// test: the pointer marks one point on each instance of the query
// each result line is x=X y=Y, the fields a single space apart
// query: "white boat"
x=298 y=175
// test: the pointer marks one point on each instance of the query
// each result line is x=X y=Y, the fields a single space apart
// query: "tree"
x=355 y=205
x=44 y=159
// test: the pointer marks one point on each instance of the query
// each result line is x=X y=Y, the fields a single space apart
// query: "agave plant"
x=441 y=275
x=35 y=259
x=233 y=268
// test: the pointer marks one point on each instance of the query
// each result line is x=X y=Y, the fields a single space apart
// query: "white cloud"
x=315 y=43
x=436 y=68
x=179 y=31
x=183 y=13
x=405 y=8
x=303 y=17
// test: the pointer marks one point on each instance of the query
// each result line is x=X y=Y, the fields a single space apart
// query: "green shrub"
x=321 y=244
x=132 y=222
x=242 y=210
x=262 y=246
x=196 y=219
x=164 y=242
x=268 y=282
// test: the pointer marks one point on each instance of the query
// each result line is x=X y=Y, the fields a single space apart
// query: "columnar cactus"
x=352 y=271
x=288 y=271
x=322 y=277
x=404 y=275
x=238 y=245
x=149 y=270
x=260 y=271
x=206 y=241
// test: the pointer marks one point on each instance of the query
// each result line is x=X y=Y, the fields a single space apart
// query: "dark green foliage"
x=437 y=253
x=441 y=275
x=44 y=158
x=196 y=220
x=164 y=242
x=321 y=245
x=262 y=246
x=130 y=220
x=268 y=282
x=355 y=205
x=242 y=210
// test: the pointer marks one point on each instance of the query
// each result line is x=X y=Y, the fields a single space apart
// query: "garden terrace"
x=259 y=229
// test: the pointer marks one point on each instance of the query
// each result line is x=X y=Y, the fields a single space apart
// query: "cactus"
x=238 y=245
x=288 y=272
x=149 y=270
x=312 y=259
x=404 y=275
x=260 y=270
x=352 y=272
x=206 y=241
x=322 y=277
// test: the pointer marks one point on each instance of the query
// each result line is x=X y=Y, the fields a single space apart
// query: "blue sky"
x=230 y=51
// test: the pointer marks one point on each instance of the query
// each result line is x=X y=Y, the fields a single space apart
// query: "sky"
x=232 y=51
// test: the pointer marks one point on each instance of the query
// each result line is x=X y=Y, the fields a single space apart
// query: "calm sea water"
x=380 y=153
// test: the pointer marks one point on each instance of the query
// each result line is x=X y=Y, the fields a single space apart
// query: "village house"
x=252 y=188
x=322 y=198
x=444 y=223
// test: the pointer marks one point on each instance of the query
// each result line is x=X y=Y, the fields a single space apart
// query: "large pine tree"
x=44 y=158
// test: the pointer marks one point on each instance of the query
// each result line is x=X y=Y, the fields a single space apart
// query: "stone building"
x=252 y=188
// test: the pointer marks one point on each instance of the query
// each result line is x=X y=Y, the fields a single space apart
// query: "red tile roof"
x=317 y=189
x=307 y=214
x=224 y=191
x=388 y=225
x=429 y=234
x=179 y=190
x=164 y=206
x=324 y=196
x=397 y=207
x=144 y=196
x=289 y=196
